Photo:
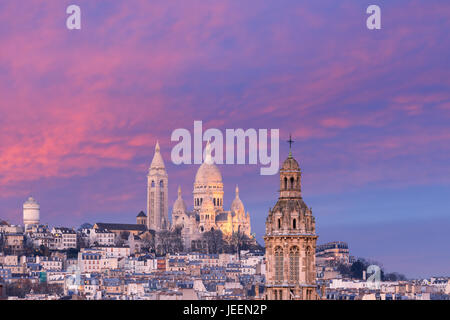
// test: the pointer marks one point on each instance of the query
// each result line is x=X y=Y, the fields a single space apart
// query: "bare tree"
x=169 y=241
x=238 y=240
x=214 y=241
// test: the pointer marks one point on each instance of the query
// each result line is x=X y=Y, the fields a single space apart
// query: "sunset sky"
x=81 y=111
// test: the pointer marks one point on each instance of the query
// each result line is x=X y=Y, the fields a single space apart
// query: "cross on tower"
x=290 y=141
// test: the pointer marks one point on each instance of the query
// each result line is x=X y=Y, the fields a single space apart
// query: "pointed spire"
x=237 y=191
x=208 y=158
x=157 y=161
x=179 y=192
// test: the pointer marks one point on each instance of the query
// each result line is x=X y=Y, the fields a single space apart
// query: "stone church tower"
x=290 y=241
x=157 y=194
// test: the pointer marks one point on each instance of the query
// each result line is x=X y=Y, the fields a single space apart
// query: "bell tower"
x=290 y=240
x=157 y=197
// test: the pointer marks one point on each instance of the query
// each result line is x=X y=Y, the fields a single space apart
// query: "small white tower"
x=157 y=194
x=31 y=211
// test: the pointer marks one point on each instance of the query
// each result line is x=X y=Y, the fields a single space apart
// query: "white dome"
x=208 y=171
x=179 y=204
x=237 y=205
x=31 y=211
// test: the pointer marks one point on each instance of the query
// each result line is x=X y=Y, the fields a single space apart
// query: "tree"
x=44 y=251
x=394 y=276
x=344 y=269
x=169 y=241
x=238 y=240
x=357 y=268
x=148 y=244
x=214 y=241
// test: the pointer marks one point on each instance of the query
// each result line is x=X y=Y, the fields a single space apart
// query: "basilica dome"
x=208 y=173
x=208 y=182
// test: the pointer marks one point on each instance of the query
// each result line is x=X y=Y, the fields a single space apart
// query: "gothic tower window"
x=294 y=257
x=285 y=183
x=308 y=264
x=161 y=184
x=279 y=223
x=292 y=182
x=278 y=264
x=161 y=201
x=153 y=184
x=294 y=224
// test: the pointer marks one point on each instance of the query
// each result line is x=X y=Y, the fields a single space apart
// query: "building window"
x=278 y=264
x=279 y=223
x=308 y=260
x=161 y=204
x=294 y=257
x=294 y=224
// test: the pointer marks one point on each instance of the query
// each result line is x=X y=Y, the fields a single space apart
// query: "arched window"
x=161 y=184
x=294 y=257
x=294 y=224
x=214 y=201
x=278 y=264
x=279 y=223
x=153 y=184
x=292 y=182
x=285 y=183
x=308 y=259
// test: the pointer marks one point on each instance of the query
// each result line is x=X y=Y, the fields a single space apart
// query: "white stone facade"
x=157 y=194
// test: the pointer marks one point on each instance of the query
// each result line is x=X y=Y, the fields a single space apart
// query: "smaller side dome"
x=179 y=204
x=237 y=205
